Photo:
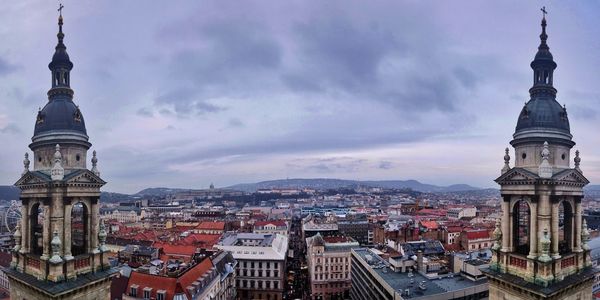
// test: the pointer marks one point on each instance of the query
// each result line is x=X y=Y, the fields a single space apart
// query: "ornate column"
x=93 y=219
x=554 y=228
x=505 y=223
x=24 y=226
x=533 y=230
x=67 y=230
x=578 y=231
x=544 y=216
x=46 y=232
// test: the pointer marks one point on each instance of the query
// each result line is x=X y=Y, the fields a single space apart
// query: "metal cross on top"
x=544 y=12
x=60 y=8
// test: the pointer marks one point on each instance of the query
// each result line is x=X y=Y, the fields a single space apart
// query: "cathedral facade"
x=59 y=248
x=541 y=249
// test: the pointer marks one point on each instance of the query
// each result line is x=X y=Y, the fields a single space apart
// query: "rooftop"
x=402 y=281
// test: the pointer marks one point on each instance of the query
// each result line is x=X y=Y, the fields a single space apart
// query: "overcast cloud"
x=186 y=93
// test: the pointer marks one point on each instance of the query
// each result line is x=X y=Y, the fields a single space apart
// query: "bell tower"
x=541 y=249
x=59 y=248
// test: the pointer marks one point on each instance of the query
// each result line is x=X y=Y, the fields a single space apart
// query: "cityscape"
x=268 y=197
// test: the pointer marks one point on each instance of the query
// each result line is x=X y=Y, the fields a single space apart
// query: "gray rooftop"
x=401 y=281
x=237 y=239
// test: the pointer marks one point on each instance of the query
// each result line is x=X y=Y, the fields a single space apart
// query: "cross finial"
x=60 y=8
x=544 y=12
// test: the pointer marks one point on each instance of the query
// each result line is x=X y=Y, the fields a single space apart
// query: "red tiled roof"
x=477 y=234
x=429 y=224
x=211 y=226
x=169 y=284
x=278 y=223
x=435 y=212
x=200 y=240
x=454 y=229
x=176 y=250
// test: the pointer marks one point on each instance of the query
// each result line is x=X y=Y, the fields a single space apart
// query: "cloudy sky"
x=185 y=93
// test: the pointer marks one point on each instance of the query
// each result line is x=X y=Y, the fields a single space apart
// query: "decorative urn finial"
x=26 y=163
x=585 y=235
x=506 y=167
x=497 y=235
x=102 y=237
x=577 y=161
x=545 y=169
x=545 y=243
x=95 y=164
x=57 y=172
x=56 y=244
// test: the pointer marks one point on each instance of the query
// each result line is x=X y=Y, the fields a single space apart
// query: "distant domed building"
x=59 y=248
x=540 y=249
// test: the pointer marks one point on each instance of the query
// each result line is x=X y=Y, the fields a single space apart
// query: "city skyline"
x=183 y=96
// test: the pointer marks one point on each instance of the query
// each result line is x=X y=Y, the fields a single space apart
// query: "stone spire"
x=506 y=161
x=95 y=164
x=545 y=169
x=497 y=235
x=102 y=237
x=585 y=235
x=26 y=163
x=60 y=65
x=57 y=172
x=577 y=161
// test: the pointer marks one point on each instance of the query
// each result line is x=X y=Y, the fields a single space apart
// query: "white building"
x=271 y=227
x=260 y=272
x=461 y=212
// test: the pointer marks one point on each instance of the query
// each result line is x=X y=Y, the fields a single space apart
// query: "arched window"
x=565 y=227
x=36 y=225
x=79 y=229
x=521 y=227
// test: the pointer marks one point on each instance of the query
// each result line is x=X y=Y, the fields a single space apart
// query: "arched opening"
x=565 y=227
x=521 y=227
x=36 y=225
x=79 y=229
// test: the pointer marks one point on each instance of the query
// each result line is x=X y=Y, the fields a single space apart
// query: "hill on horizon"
x=330 y=183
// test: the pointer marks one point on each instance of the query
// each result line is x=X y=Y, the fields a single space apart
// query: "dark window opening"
x=565 y=228
x=79 y=229
x=36 y=220
x=521 y=227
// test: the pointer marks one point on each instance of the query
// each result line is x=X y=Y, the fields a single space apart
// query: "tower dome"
x=543 y=118
x=60 y=121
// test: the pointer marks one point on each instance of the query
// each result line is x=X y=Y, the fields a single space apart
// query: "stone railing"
x=81 y=263
x=33 y=262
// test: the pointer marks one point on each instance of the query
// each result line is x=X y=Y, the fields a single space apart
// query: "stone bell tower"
x=59 y=251
x=541 y=247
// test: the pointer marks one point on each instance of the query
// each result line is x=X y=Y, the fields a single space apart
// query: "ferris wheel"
x=12 y=216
